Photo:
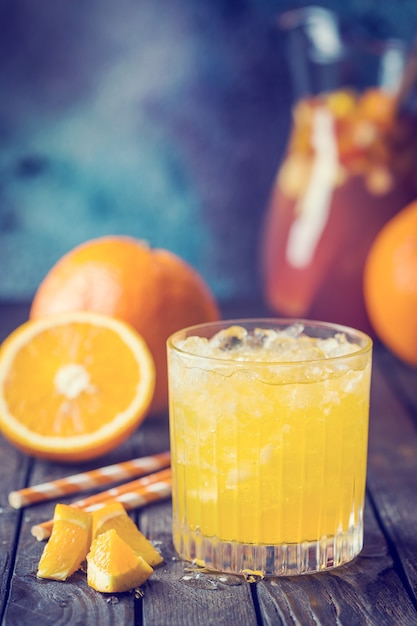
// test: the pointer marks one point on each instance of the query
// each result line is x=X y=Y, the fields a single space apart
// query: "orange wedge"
x=68 y=544
x=112 y=565
x=73 y=386
x=114 y=516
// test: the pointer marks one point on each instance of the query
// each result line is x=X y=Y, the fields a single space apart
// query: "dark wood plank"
x=366 y=592
x=50 y=602
x=392 y=473
x=13 y=471
x=176 y=596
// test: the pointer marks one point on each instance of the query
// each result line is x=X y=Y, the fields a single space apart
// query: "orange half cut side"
x=113 y=516
x=73 y=386
x=68 y=544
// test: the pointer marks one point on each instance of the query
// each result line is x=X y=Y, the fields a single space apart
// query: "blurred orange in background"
x=390 y=284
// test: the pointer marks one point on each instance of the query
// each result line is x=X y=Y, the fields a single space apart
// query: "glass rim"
x=268 y=322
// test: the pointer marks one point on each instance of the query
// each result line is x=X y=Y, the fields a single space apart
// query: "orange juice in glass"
x=269 y=426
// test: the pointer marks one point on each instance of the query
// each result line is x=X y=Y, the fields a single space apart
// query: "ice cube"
x=229 y=339
x=295 y=330
x=337 y=346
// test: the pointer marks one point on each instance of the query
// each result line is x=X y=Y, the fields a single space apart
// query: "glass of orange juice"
x=269 y=430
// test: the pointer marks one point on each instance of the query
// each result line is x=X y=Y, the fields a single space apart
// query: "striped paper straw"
x=88 y=480
x=133 y=494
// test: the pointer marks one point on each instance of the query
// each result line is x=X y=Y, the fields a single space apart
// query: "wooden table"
x=378 y=588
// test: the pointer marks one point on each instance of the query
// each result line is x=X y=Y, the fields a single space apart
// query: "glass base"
x=270 y=560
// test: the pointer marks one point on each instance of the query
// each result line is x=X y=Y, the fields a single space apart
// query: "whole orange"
x=153 y=290
x=390 y=284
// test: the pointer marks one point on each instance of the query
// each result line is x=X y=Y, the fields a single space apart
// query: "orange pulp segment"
x=112 y=565
x=73 y=386
x=68 y=544
x=114 y=516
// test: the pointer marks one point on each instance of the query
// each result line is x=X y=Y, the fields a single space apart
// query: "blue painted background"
x=163 y=119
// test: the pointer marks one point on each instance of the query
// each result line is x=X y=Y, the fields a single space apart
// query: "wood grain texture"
x=392 y=473
x=366 y=592
x=13 y=471
x=180 y=596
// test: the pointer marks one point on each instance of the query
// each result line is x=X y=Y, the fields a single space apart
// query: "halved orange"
x=112 y=565
x=73 y=386
x=154 y=290
x=114 y=516
x=68 y=544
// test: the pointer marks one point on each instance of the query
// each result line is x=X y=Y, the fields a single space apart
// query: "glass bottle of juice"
x=348 y=168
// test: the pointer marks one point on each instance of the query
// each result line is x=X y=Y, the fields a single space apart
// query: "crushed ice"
x=262 y=344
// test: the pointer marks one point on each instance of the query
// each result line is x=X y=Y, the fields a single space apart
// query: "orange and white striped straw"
x=133 y=494
x=88 y=480
x=118 y=493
